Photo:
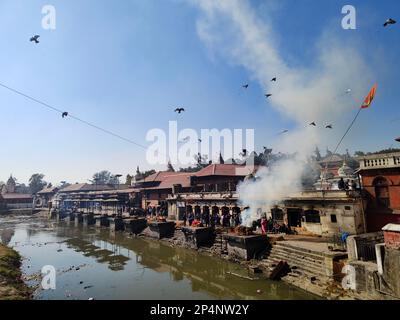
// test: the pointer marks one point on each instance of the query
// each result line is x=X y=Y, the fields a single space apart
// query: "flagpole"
x=341 y=140
x=348 y=130
x=367 y=102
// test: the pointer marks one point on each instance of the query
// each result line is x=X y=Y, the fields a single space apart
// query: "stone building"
x=323 y=212
x=13 y=200
x=330 y=180
x=380 y=178
x=44 y=198
x=91 y=198
x=156 y=188
x=212 y=190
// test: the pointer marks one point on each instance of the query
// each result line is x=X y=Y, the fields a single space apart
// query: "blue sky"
x=125 y=65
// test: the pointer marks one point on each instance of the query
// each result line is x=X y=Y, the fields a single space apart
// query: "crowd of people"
x=214 y=219
x=347 y=185
x=271 y=226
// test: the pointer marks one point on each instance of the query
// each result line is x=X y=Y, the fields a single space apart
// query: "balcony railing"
x=387 y=161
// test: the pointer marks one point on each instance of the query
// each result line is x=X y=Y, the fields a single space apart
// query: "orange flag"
x=370 y=97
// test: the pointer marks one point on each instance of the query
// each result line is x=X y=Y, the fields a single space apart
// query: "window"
x=277 y=214
x=333 y=218
x=312 y=216
x=382 y=192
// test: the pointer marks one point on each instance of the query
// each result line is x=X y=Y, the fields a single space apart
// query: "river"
x=93 y=263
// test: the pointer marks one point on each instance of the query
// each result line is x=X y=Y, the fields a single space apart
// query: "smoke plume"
x=302 y=94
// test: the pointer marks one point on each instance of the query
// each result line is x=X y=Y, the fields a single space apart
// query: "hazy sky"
x=125 y=65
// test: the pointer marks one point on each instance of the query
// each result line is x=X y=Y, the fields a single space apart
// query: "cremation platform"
x=78 y=219
x=89 y=219
x=198 y=236
x=135 y=225
x=161 y=230
x=102 y=221
x=116 y=224
x=246 y=247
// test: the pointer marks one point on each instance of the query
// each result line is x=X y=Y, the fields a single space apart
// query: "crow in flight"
x=268 y=95
x=245 y=86
x=398 y=139
x=273 y=79
x=65 y=114
x=389 y=21
x=35 y=39
x=313 y=124
x=244 y=153
x=179 y=110
x=329 y=126
x=284 y=131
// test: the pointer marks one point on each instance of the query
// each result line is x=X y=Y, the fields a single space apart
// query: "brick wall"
x=378 y=217
x=392 y=239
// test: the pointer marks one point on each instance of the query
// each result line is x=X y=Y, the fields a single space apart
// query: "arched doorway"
x=381 y=186
x=197 y=212
x=215 y=219
x=205 y=218
x=225 y=216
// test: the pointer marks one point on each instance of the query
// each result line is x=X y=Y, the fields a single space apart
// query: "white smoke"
x=302 y=94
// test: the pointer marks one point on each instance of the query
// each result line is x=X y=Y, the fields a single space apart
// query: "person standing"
x=341 y=184
x=190 y=218
x=264 y=225
x=184 y=218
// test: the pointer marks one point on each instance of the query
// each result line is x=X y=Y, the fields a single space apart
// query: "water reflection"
x=206 y=274
x=119 y=267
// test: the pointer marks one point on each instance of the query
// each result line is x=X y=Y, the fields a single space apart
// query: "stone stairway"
x=303 y=262
x=220 y=245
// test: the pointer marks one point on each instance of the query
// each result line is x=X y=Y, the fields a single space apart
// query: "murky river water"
x=93 y=263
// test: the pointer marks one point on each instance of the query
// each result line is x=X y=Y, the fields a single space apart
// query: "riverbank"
x=327 y=289
x=12 y=287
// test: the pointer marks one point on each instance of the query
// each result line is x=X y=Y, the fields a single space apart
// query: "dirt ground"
x=12 y=286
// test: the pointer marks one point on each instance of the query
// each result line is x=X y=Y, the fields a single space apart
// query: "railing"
x=338 y=242
x=366 y=249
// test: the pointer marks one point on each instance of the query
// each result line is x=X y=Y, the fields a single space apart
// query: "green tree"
x=36 y=183
x=318 y=156
x=129 y=179
x=170 y=168
x=104 y=177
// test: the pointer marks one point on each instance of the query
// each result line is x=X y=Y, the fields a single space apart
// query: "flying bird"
x=244 y=153
x=348 y=91
x=389 y=21
x=284 y=131
x=65 y=114
x=179 y=110
x=398 y=139
x=273 y=79
x=199 y=140
x=313 y=124
x=35 y=39
x=329 y=126
x=267 y=95
x=245 y=86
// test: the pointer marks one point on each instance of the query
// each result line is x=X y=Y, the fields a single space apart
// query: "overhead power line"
x=44 y=104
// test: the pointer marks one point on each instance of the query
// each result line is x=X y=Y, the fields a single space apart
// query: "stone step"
x=300 y=251
x=303 y=267
x=290 y=246
x=298 y=256
x=307 y=273
x=301 y=258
